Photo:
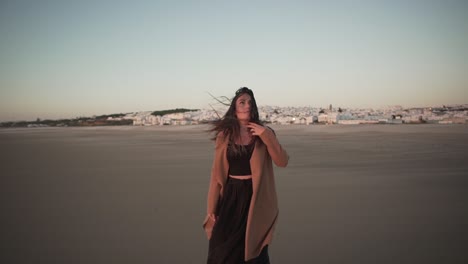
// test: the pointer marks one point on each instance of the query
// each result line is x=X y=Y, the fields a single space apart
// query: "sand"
x=350 y=194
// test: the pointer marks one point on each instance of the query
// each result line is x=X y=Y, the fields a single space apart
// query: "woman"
x=242 y=203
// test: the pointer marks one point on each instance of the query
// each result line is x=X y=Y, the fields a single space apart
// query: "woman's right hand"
x=212 y=217
x=208 y=224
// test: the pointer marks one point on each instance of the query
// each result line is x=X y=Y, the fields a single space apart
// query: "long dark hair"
x=228 y=124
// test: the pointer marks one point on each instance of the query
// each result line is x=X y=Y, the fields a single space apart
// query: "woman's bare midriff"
x=241 y=177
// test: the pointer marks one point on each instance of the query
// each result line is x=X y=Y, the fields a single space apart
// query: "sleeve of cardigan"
x=213 y=195
x=279 y=156
x=214 y=188
x=213 y=192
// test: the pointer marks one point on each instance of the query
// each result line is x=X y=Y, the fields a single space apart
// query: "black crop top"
x=239 y=164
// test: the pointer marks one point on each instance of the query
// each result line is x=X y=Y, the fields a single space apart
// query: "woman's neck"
x=243 y=124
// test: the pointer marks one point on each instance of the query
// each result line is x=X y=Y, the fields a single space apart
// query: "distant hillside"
x=173 y=111
x=101 y=120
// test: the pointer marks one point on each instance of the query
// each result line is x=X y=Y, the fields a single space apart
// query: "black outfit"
x=239 y=163
x=227 y=243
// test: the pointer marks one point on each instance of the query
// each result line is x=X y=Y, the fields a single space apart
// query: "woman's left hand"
x=256 y=129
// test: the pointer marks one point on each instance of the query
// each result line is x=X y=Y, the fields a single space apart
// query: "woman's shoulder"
x=220 y=138
x=220 y=135
x=272 y=130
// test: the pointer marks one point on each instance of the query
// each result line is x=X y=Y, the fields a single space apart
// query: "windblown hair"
x=229 y=125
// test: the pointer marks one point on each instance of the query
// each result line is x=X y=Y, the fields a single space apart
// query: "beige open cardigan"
x=263 y=210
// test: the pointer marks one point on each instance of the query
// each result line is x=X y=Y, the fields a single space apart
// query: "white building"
x=329 y=118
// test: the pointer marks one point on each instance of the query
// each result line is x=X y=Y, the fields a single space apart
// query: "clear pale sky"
x=62 y=59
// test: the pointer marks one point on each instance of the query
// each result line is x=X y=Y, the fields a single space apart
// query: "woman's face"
x=243 y=106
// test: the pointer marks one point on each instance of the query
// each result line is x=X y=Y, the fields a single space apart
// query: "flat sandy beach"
x=350 y=194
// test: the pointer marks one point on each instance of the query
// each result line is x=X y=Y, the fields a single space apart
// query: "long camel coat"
x=263 y=210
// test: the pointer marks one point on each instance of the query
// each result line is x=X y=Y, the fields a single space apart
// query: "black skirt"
x=227 y=243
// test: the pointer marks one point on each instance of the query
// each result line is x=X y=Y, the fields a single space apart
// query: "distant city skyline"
x=62 y=59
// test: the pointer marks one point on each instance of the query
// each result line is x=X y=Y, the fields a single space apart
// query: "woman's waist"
x=241 y=177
